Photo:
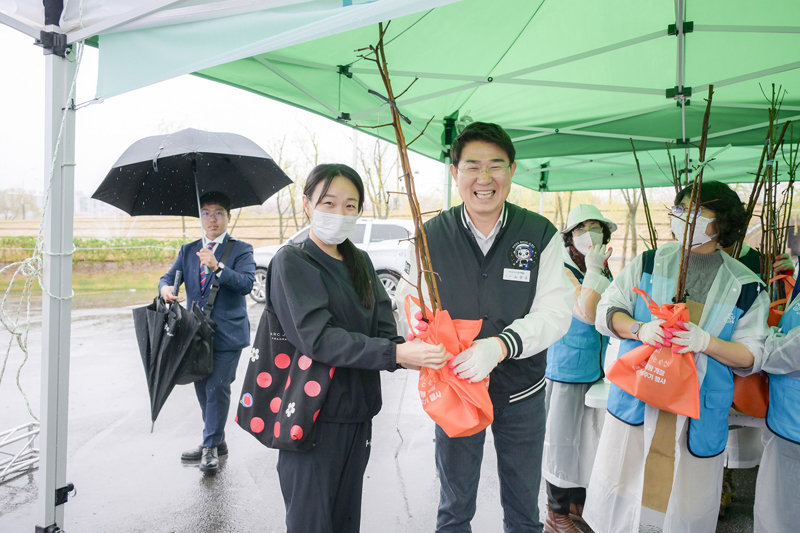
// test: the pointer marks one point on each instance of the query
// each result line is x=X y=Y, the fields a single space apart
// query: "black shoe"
x=195 y=454
x=210 y=460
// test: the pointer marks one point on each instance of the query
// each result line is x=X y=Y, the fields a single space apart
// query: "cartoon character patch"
x=523 y=255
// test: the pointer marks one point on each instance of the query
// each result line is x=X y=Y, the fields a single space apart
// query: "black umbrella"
x=167 y=174
x=176 y=346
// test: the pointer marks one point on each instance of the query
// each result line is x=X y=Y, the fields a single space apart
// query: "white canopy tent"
x=59 y=25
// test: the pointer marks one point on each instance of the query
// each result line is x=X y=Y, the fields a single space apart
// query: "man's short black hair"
x=216 y=198
x=482 y=132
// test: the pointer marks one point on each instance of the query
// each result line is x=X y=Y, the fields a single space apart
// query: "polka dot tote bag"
x=283 y=390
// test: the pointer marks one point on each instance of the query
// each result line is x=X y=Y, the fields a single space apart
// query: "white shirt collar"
x=218 y=240
x=475 y=231
x=485 y=241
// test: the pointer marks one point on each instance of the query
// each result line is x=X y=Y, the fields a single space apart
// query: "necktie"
x=203 y=275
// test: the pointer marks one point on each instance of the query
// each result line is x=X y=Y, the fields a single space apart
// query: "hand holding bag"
x=660 y=377
x=459 y=407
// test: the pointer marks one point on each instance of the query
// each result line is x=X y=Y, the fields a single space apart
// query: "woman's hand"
x=653 y=334
x=597 y=257
x=783 y=265
x=417 y=353
x=693 y=339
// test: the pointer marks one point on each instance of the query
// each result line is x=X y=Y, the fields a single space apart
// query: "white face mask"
x=331 y=228
x=678 y=227
x=587 y=240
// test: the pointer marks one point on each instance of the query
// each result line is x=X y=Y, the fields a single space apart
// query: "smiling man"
x=500 y=263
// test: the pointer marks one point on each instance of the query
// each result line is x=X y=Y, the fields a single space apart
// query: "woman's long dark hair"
x=360 y=273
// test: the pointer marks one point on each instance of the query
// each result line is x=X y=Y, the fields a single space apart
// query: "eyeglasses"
x=214 y=214
x=580 y=230
x=681 y=210
x=494 y=171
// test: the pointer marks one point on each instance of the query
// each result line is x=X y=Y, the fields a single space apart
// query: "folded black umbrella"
x=176 y=346
x=167 y=174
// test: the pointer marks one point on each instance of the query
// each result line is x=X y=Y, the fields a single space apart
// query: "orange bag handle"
x=670 y=314
x=407 y=304
x=788 y=287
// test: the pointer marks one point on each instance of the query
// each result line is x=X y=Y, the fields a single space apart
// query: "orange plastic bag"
x=751 y=394
x=775 y=313
x=459 y=407
x=660 y=377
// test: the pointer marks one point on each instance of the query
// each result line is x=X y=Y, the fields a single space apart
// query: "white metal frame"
x=16 y=463
x=57 y=279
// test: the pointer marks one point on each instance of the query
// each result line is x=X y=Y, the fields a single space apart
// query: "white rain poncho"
x=614 y=497
x=776 y=506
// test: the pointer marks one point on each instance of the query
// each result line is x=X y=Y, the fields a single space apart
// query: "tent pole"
x=57 y=279
x=679 y=16
x=448 y=189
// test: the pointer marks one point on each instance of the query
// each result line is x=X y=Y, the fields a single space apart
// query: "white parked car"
x=384 y=240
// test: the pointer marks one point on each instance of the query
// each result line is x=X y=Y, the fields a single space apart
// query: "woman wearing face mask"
x=334 y=309
x=574 y=363
x=652 y=465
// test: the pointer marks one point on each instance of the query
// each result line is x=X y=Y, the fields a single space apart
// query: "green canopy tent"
x=572 y=81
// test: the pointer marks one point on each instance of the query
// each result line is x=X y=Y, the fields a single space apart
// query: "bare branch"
x=420 y=133
x=406 y=90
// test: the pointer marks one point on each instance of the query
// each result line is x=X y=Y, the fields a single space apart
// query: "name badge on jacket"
x=512 y=274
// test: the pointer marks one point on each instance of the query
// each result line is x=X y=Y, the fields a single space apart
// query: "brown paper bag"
x=659 y=466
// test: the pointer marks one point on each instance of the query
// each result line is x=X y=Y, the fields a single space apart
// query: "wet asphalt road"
x=130 y=480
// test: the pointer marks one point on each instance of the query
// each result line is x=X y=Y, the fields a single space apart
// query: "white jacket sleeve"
x=551 y=313
x=781 y=353
x=752 y=330
x=619 y=295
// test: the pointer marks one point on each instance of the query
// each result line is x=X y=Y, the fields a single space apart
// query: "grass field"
x=85 y=280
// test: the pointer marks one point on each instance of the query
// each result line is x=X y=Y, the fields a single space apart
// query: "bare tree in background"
x=18 y=204
x=376 y=171
x=286 y=198
x=560 y=218
x=632 y=198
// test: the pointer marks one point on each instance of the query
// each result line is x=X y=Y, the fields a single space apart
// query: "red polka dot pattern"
x=312 y=388
x=304 y=362
x=256 y=425
x=282 y=361
x=264 y=380
x=296 y=433
x=275 y=405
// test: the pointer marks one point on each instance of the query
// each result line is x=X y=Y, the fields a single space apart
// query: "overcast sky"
x=105 y=130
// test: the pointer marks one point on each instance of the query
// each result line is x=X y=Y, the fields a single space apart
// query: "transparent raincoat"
x=614 y=497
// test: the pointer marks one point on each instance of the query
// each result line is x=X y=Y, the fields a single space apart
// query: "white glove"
x=596 y=258
x=651 y=333
x=694 y=339
x=478 y=360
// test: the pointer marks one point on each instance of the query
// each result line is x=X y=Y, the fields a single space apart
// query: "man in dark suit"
x=200 y=263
